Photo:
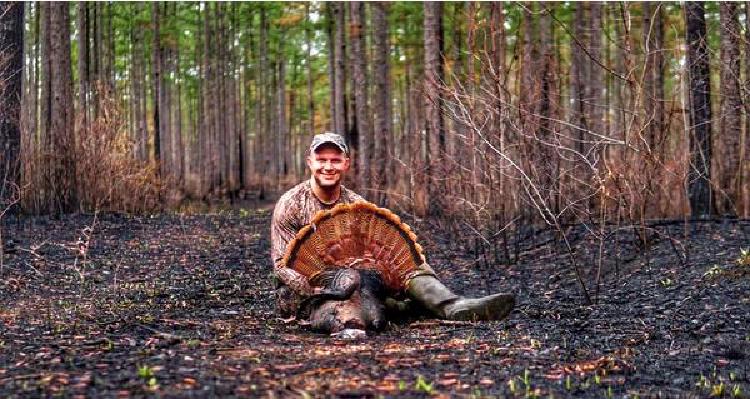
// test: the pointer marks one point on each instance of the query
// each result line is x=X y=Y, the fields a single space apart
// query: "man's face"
x=328 y=165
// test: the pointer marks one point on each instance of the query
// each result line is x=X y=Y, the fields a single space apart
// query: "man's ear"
x=308 y=162
x=347 y=163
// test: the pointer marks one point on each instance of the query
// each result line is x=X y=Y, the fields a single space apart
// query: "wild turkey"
x=351 y=299
x=357 y=254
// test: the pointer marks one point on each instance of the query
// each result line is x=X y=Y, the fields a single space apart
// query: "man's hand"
x=295 y=281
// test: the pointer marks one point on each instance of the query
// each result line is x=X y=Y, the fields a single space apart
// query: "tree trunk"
x=653 y=31
x=731 y=110
x=282 y=132
x=595 y=74
x=156 y=82
x=578 y=76
x=745 y=170
x=58 y=117
x=308 y=66
x=381 y=106
x=176 y=106
x=359 y=83
x=548 y=107
x=699 y=175
x=339 y=70
x=330 y=23
x=83 y=61
x=434 y=125
x=11 y=73
x=529 y=88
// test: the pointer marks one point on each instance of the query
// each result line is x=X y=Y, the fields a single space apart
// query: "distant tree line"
x=485 y=113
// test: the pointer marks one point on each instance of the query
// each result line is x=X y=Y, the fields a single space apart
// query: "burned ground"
x=175 y=305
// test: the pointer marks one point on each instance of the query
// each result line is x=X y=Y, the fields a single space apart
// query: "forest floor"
x=182 y=306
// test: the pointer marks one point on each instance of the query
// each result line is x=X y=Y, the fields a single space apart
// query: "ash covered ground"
x=182 y=306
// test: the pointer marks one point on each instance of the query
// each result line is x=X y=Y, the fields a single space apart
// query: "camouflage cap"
x=331 y=138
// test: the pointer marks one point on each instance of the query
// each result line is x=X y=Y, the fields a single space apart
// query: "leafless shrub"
x=523 y=165
x=107 y=175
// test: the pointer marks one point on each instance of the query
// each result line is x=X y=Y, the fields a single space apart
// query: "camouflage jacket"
x=294 y=210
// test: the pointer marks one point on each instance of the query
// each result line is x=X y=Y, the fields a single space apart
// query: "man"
x=328 y=161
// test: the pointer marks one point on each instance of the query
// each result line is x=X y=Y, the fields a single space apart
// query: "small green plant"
x=527 y=383
x=526 y=378
x=145 y=372
x=422 y=385
x=667 y=282
x=512 y=385
x=717 y=389
x=568 y=383
x=401 y=385
x=736 y=391
x=701 y=382
x=714 y=271
x=744 y=258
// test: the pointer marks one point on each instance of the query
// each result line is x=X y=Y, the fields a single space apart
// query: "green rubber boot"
x=441 y=301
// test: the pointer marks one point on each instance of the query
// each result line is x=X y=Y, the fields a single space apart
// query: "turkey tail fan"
x=360 y=236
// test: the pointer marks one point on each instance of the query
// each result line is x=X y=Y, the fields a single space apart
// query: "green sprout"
x=718 y=389
x=422 y=385
x=714 y=271
x=145 y=372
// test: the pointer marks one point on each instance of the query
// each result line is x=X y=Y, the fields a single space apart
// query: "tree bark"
x=11 y=74
x=578 y=76
x=595 y=74
x=83 y=61
x=308 y=66
x=745 y=169
x=339 y=70
x=330 y=23
x=653 y=31
x=699 y=174
x=359 y=83
x=262 y=108
x=156 y=82
x=382 y=133
x=282 y=132
x=730 y=122
x=58 y=116
x=434 y=124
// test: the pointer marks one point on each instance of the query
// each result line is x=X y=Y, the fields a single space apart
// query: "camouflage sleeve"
x=354 y=197
x=283 y=230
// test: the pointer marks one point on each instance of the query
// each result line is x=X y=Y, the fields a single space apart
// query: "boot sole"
x=496 y=307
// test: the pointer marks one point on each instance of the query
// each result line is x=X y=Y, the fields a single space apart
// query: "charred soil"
x=182 y=305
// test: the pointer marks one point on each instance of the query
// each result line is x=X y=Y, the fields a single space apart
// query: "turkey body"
x=349 y=299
